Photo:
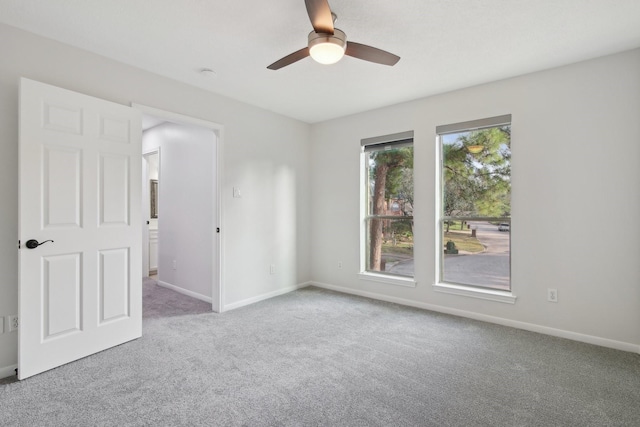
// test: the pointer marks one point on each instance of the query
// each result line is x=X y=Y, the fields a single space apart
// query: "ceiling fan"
x=327 y=44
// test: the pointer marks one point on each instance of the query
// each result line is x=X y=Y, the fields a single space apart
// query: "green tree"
x=386 y=169
x=404 y=189
x=478 y=184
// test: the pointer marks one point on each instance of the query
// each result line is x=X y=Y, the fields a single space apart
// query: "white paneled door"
x=80 y=226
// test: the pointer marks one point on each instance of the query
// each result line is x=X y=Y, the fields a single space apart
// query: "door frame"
x=146 y=208
x=217 y=287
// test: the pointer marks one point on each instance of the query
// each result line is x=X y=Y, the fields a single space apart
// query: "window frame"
x=379 y=143
x=478 y=291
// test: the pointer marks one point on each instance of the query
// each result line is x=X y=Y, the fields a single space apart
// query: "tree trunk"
x=375 y=260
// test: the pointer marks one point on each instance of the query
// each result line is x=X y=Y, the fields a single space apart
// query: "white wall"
x=154 y=162
x=575 y=144
x=575 y=203
x=187 y=214
x=266 y=154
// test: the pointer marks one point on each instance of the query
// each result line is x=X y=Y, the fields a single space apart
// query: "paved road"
x=489 y=268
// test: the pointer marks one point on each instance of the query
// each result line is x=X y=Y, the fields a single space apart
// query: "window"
x=388 y=204
x=475 y=203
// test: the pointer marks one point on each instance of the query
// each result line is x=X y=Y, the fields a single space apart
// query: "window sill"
x=467 y=291
x=408 y=282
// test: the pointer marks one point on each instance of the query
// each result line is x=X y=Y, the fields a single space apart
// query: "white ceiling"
x=444 y=44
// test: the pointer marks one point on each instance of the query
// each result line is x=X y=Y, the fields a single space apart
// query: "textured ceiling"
x=444 y=44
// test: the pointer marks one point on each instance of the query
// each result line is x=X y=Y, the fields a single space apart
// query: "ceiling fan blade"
x=371 y=54
x=290 y=59
x=320 y=15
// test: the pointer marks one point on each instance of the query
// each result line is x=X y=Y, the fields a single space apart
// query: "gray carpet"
x=160 y=302
x=319 y=358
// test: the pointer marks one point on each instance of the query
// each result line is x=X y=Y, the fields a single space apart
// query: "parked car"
x=503 y=227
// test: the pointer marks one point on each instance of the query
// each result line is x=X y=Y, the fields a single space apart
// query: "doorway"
x=188 y=204
x=150 y=192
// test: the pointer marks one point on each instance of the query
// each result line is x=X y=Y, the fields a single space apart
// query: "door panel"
x=67 y=119
x=80 y=173
x=62 y=179
x=114 y=284
x=61 y=295
x=115 y=129
x=114 y=190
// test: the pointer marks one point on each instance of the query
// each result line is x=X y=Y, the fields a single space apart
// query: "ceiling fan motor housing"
x=327 y=48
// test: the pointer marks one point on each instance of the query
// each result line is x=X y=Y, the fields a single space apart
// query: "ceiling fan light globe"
x=326 y=53
x=327 y=48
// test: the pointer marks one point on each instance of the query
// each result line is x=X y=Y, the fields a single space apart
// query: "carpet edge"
x=560 y=333
x=263 y=297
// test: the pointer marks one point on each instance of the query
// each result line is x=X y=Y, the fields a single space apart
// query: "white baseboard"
x=263 y=297
x=185 y=291
x=8 y=371
x=575 y=336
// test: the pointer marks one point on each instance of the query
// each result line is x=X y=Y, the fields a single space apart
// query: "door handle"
x=32 y=244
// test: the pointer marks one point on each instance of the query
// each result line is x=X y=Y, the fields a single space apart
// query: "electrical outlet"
x=339 y=264
x=272 y=269
x=552 y=295
x=13 y=323
x=175 y=265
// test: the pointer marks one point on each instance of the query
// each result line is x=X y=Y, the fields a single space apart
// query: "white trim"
x=363 y=209
x=467 y=291
x=489 y=122
x=263 y=297
x=385 y=139
x=217 y=287
x=185 y=291
x=575 y=336
x=388 y=279
x=176 y=117
x=8 y=371
x=219 y=262
x=438 y=243
x=145 y=209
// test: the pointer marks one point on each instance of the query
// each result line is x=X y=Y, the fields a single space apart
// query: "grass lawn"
x=463 y=241
x=401 y=248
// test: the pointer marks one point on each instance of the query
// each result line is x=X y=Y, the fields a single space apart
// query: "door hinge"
x=19 y=247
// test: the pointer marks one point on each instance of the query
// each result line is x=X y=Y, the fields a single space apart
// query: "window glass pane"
x=476 y=207
x=480 y=255
x=389 y=241
x=390 y=177
x=477 y=173
x=395 y=251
